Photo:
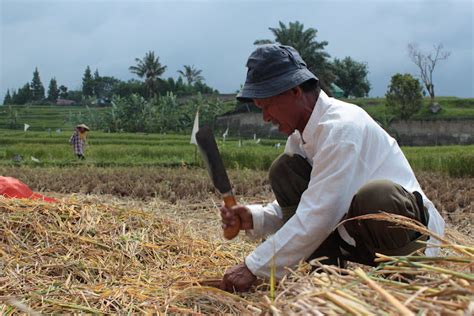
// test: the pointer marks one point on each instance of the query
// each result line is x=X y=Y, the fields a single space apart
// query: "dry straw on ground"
x=92 y=255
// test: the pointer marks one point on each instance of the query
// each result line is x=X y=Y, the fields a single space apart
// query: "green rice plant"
x=451 y=108
x=142 y=149
x=459 y=165
x=42 y=117
x=456 y=161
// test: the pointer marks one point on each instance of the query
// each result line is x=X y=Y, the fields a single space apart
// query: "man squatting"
x=338 y=163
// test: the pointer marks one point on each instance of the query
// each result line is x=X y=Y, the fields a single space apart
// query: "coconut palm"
x=191 y=74
x=149 y=68
x=304 y=41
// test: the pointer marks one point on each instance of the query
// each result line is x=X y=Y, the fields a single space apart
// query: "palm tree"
x=150 y=68
x=304 y=41
x=191 y=74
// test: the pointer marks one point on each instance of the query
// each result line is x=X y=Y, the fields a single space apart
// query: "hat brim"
x=83 y=126
x=274 y=86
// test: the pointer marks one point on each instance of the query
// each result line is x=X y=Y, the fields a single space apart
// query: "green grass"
x=126 y=150
x=452 y=108
x=456 y=161
x=42 y=117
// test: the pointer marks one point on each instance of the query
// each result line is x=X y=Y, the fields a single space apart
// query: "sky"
x=62 y=38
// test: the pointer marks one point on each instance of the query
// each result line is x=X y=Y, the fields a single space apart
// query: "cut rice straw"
x=105 y=255
x=413 y=225
x=392 y=300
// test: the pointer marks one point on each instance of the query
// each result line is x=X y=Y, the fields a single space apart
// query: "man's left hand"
x=238 y=278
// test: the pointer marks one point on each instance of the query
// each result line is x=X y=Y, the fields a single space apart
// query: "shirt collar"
x=320 y=108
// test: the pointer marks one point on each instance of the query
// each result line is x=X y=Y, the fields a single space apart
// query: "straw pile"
x=87 y=255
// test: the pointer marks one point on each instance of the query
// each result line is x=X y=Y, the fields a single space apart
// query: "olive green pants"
x=289 y=178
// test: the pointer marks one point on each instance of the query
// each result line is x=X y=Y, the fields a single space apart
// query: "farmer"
x=78 y=140
x=338 y=163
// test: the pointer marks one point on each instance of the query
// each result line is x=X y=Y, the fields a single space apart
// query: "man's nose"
x=265 y=115
x=264 y=107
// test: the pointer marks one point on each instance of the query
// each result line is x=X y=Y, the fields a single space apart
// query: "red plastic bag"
x=14 y=188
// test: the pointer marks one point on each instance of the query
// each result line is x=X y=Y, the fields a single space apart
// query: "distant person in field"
x=338 y=163
x=78 y=140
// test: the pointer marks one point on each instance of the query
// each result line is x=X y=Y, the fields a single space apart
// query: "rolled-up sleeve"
x=266 y=219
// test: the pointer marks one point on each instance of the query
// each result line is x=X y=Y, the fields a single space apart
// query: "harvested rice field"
x=162 y=252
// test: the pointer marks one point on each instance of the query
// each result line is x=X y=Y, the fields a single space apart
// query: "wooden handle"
x=231 y=232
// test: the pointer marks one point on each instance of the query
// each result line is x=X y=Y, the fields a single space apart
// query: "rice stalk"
x=113 y=256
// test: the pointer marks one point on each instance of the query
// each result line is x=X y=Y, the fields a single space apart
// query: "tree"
x=426 y=64
x=179 y=85
x=133 y=86
x=96 y=83
x=23 y=95
x=203 y=88
x=75 y=95
x=191 y=74
x=96 y=74
x=404 y=95
x=134 y=114
x=312 y=51
x=104 y=86
x=53 y=91
x=14 y=96
x=37 y=88
x=149 y=68
x=351 y=76
x=63 y=94
x=87 y=83
x=8 y=98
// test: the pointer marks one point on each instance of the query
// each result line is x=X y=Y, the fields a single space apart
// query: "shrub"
x=404 y=96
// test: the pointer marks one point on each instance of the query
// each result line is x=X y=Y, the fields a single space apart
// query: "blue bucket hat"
x=273 y=69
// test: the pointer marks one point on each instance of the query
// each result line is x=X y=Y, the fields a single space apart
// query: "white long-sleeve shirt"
x=346 y=149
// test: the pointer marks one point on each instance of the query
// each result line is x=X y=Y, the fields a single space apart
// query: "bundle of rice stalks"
x=400 y=285
x=87 y=256
x=100 y=258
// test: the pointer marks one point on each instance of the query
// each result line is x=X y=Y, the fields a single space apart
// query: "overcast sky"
x=62 y=37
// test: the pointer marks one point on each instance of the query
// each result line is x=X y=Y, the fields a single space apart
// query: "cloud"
x=63 y=37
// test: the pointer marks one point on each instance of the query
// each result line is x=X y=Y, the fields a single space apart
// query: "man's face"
x=284 y=110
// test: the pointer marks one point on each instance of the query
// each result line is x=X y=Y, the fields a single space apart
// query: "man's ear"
x=297 y=91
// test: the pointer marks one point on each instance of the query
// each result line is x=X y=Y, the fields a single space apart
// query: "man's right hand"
x=228 y=217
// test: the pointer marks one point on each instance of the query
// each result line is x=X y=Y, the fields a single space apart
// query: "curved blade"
x=208 y=147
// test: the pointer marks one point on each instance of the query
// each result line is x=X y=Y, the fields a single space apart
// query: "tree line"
x=404 y=94
x=100 y=89
x=348 y=74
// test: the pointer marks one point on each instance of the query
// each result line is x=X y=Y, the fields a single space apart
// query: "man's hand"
x=238 y=278
x=228 y=216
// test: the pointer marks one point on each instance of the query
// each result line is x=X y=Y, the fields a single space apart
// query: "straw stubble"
x=105 y=255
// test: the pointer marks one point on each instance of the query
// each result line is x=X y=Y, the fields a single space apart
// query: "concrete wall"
x=407 y=133
x=430 y=133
